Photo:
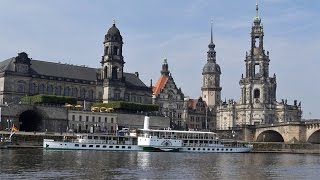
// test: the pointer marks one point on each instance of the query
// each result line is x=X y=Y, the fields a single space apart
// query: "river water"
x=58 y=164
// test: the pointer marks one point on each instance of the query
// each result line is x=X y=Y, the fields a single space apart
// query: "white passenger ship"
x=151 y=140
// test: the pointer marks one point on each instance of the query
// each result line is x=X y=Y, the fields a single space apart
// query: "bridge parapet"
x=279 y=124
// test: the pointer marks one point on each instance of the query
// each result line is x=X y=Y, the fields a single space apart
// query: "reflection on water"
x=50 y=164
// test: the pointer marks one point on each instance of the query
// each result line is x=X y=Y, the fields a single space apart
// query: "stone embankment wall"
x=286 y=148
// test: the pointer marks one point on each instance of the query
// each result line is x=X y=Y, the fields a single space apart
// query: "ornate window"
x=83 y=93
x=58 y=90
x=133 y=98
x=41 y=89
x=90 y=95
x=74 y=92
x=50 y=89
x=106 y=50
x=106 y=72
x=67 y=91
x=21 y=87
x=115 y=73
x=126 y=97
x=115 y=50
x=256 y=93
x=33 y=88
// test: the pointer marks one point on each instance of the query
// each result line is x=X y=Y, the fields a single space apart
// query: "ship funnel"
x=146 y=122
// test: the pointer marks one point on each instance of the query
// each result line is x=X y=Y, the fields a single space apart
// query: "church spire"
x=257 y=19
x=211 y=54
x=211 y=33
x=257 y=10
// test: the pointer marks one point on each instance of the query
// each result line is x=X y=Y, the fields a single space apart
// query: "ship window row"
x=174 y=135
x=104 y=146
x=209 y=149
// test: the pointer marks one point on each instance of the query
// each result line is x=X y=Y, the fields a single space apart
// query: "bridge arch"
x=270 y=136
x=314 y=138
x=30 y=120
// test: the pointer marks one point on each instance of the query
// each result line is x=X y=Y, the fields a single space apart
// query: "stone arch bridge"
x=289 y=132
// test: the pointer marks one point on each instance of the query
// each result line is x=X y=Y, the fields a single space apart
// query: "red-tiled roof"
x=192 y=104
x=160 y=85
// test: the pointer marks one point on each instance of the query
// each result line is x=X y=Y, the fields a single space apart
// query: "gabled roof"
x=160 y=84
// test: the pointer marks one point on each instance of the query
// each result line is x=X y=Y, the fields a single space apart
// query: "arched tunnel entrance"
x=30 y=121
x=270 y=136
x=315 y=138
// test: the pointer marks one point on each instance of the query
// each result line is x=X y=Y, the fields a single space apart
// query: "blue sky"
x=73 y=31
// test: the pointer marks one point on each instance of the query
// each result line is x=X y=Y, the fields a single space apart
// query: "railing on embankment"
x=286 y=148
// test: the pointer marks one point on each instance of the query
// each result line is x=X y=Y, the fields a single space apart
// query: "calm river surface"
x=50 y=164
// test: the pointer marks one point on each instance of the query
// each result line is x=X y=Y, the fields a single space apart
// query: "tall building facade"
x=22 y=76
x=169 y=97
x=185 y=113
x=258 y=104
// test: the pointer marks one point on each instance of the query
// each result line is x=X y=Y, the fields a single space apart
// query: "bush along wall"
x=128 y=106
x=48 y=99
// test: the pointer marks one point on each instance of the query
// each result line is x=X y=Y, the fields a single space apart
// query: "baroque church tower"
x=211 y=90
x=258 y=104
x=112 y=59
x=112 y=65
x=117 y=84
x=257 y=88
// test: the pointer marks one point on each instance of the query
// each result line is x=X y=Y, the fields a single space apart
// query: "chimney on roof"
x=137 y=74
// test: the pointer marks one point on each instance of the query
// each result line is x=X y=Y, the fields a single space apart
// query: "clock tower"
x=211 y=90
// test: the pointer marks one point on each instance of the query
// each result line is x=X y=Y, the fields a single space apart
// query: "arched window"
x=74 y=92
x=50 y=89
x=256 y=42
x=83 y=93
x=90 y=94
x=115 y=73
x=21 y=87
x=33 y=88
x=133 y=98
x=67 y=91
x=41 y=88
x=58 y=90
x=106 y=72
x=115 y=50
x=256 y=93
x=106 y=50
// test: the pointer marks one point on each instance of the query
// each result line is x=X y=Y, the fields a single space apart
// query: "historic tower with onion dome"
x=211 y=90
